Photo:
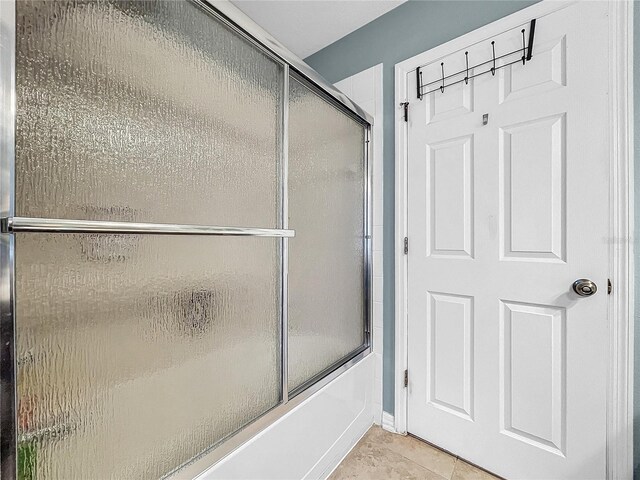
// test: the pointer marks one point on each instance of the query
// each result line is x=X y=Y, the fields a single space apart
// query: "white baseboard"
x=388 y=422
x=377 y=413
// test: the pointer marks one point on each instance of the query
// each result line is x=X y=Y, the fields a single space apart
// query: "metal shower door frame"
x=8 y=367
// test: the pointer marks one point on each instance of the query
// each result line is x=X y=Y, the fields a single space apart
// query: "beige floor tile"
x=464 y=471
x=371 y=461
x=420 y=452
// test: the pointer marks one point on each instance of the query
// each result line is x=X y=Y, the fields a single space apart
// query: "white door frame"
x=620 y=68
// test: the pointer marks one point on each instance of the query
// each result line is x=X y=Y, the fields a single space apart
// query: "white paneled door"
x=508 y=205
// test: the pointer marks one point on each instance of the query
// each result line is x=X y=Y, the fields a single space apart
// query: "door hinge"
x=609 y=286
x=406 y=378
x=406 y=245
x=405 y=106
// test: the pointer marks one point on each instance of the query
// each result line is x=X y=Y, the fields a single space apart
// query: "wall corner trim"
x=388 y=422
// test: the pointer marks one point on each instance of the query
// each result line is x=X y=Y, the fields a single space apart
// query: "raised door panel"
x=532 y=195
x=450 y=198
x=545 y=71
x=450 y=360
x=533 y=372
x=455 y=101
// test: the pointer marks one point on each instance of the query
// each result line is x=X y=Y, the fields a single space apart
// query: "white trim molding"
x=400 y=260
x=621 y=332
x=388 y=422
x=621 y=339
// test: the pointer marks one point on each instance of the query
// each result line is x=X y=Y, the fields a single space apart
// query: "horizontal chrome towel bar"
x=61 y=225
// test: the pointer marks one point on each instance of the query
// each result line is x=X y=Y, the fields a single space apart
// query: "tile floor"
x=381 y=455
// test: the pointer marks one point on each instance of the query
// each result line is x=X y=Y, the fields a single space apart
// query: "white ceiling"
x=306 y=26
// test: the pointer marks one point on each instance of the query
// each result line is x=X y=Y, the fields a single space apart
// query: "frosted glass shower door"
x=327 y=291
x=151 y=293
x=143 y=111
x=138 y=352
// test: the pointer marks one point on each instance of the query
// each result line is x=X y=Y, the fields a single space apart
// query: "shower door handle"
x=62 y=225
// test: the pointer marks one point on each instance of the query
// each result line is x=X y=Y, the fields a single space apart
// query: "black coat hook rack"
x=526 y=53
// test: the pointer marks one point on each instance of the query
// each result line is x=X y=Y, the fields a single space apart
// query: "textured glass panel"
x=138 y=352
x=326 y=259
x=149 y=111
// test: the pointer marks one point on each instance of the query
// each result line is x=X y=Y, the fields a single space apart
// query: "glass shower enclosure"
x=185 y=239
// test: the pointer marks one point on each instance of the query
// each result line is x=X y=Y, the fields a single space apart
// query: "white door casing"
x=508 y=367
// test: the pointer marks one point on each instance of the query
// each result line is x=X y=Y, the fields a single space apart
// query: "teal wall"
x=405 y=31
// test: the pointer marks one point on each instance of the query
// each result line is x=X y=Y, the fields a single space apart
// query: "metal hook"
x=532 y=31
x=493 y=69
x=466 y=79
x=524 y=46
x=442 y=86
